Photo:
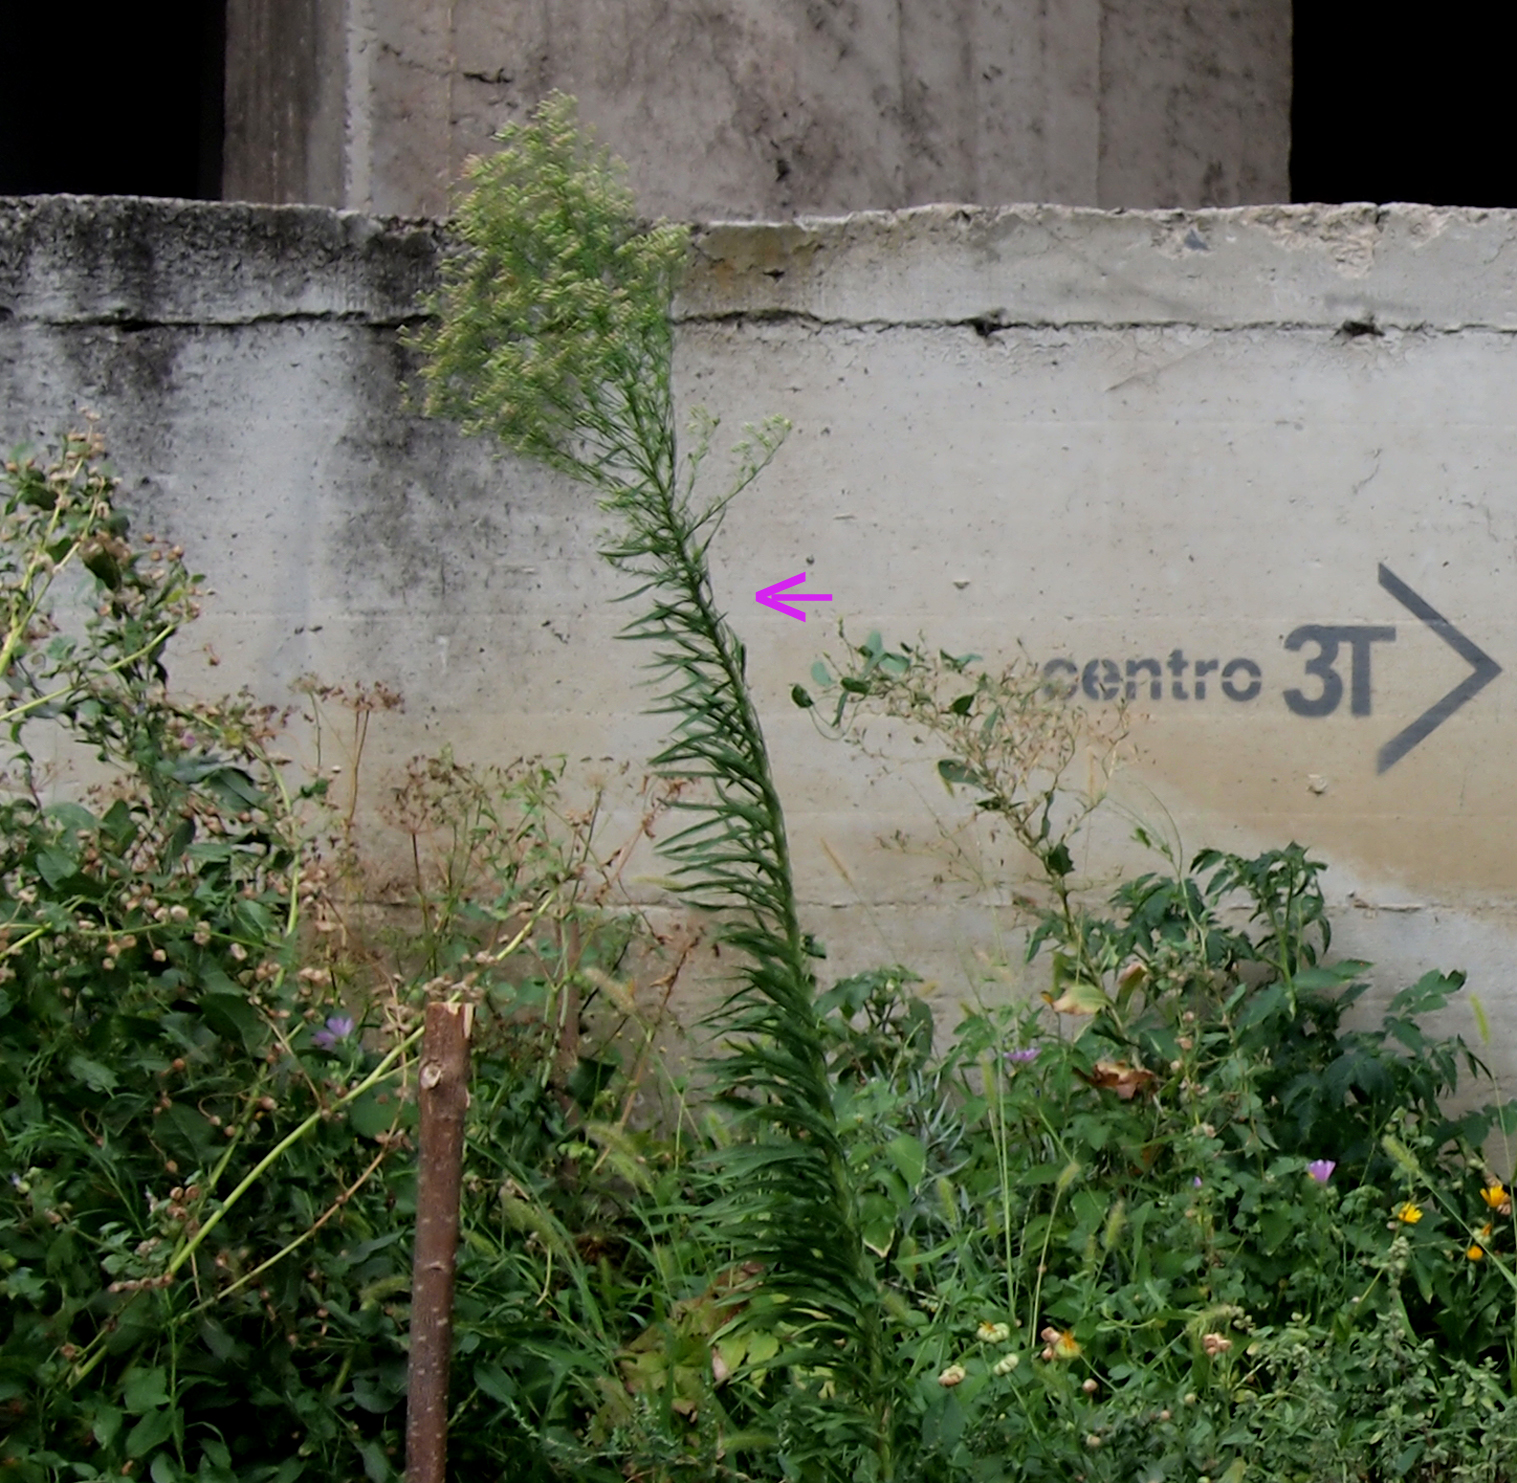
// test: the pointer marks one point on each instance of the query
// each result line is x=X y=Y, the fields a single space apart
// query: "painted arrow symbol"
x=1485 y=670
x=779 y=597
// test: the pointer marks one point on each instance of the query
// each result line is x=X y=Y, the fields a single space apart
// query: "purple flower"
x=1321 y=1170
x=1027 y=1053
x=338 y=1027
x=1197 y=1181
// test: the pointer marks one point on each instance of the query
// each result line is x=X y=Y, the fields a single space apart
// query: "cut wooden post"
x=443 y=1094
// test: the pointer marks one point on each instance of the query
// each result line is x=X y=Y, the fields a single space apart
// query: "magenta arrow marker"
x=779 y=597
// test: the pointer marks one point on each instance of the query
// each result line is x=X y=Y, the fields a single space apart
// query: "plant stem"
x=301 y=1239
x=273 y=1156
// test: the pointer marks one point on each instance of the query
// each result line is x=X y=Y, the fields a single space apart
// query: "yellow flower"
x=1498 y=1197
x=1409 y=1213
x=993 y=1333
x=1475 y=1253
x=1061 y=1343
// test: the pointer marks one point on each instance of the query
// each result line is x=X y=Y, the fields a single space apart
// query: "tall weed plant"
x=1168 y=1224
x=552 y=331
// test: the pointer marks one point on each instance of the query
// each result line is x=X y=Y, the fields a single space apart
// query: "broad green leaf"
x=877 y=1215
x=255 y=916
x=1429 y=994
x=376 y=1466
x=24 y=1285
x=1261 y=1005
x=909 y=1156
x=95 y=1076
x=763 y=1345
x=119 y=825
x=1276 y=1226
x=1089 y=1208
x=190 y=1129
x=152 y=1431
x=1080 y=997
x=72 y=816
x=1333 y=975
x=373 y=1394
x=56 y=866
x=215 y=980
x=235 y=790
x=233 y=1018
x=217 y=1340
x=368 y=1117
x=141 y=1390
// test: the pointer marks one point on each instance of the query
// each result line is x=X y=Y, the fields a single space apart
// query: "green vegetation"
x=1180 y=1220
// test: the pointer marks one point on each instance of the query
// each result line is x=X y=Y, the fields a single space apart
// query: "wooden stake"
x=444 y=1098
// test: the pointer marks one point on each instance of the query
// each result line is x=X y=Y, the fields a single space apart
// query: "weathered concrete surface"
x=1286 y=267
x=1160 y=440
x=1195 y=105
x=285 y=101
x=762 y=108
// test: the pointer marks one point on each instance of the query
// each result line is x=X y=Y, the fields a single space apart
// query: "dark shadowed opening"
x=112 y=99
x=1393 y=105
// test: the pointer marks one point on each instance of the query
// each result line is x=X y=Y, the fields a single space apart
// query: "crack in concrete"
x=988 y=329
x=134 y=324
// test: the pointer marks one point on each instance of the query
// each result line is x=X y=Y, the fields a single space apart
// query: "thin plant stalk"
x=552 y=332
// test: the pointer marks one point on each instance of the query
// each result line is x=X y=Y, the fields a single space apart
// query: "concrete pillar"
x=1195 y=104
x=286 y=101
x=768 y=108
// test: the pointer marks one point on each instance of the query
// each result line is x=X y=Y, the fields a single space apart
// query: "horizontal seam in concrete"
x=136 y=324
x=987 y=328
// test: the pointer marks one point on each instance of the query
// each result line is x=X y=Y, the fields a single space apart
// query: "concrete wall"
x=1279 y=441
x=761 y=108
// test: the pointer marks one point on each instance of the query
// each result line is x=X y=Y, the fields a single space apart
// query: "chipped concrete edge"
x=1360 y=267
x=138 y=262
